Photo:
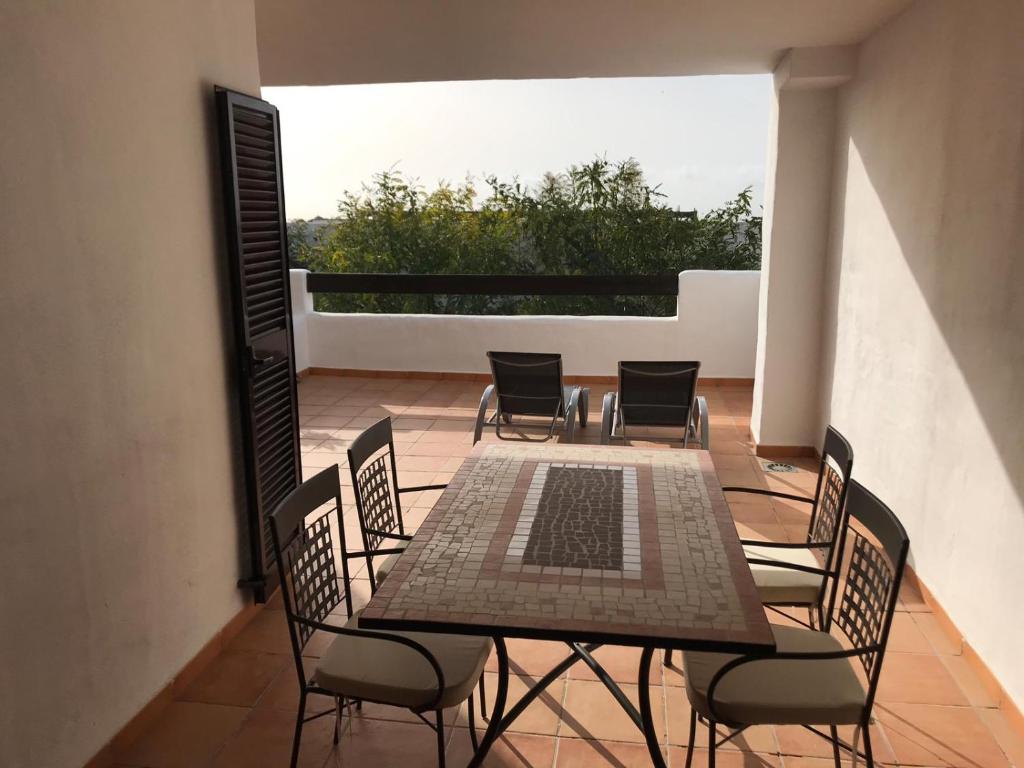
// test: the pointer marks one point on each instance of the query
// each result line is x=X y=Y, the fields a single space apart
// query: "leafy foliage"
x=600 y=218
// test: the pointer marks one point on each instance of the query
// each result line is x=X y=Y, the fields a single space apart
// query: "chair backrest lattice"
x=305 y=546
x=374 y=486
x=830 y=494
x=312 y=574
x=371 y=458
x=878 y=556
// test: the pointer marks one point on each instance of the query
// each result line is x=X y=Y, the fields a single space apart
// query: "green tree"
x=599 y=218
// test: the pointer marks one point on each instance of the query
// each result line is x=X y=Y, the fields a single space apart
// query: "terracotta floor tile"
x=727 y=759
x=186 y=735
x=384 y=712
x=1006 y=735
x=267 y=632
x=923 y=734
x=530 y=657
x=757 y=513
x=385 y=743
x=731 y=445
x=265 y=741
x=906 y=636
x=283 y=691
x=796 y=741
x=591 y=712
x=733 y=461
x=792 y=512
x=914 y=678
x=586 y=753
x=620 y=662
x=238 y=678
x=421 y=464
x=513 y=750
x=541 y=717
x=938 y=638
x=744 y=478
x=757 y=739
x=973 y=687
x=911 y=598
x=761 y=531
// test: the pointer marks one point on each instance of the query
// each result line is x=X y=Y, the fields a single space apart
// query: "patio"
x=933 y=709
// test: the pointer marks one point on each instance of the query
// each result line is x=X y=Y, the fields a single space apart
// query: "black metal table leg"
x=494 y=727
x=646 y=717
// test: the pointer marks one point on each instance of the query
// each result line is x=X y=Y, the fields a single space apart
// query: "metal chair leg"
x=471 y=709
x=692 y=739
x=668 y=658
x=869 y=757
x=337 y=719
x=440 y=738
x=712 y=742
x=835 y=745
x=299 y=719
x=483 y=698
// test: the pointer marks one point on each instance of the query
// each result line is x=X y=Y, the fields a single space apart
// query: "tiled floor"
x=932 y=710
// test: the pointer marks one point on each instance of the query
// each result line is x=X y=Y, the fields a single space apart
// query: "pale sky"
x=702 y=138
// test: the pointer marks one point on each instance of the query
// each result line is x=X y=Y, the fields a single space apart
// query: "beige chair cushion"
x=389 y=673
x=381 y=568
x=785 y=585
x=783 y=691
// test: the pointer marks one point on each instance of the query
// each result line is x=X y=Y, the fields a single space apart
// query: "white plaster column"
x=302 y=308
x=796 y=228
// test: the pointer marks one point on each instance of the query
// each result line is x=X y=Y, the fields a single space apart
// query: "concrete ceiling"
x=321 y=42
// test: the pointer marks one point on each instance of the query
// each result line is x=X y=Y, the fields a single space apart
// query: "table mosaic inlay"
x=589 y=542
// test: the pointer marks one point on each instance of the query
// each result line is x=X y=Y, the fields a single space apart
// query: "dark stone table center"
x=577 y=518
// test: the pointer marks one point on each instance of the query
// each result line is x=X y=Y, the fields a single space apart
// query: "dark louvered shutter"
x=258 y=251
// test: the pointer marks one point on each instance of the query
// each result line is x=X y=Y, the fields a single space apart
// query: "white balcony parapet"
x=715 y=322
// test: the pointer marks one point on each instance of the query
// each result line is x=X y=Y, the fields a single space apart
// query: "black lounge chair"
x=530 y=384
x=657 y=394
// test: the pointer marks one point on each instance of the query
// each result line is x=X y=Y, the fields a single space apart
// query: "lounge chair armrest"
x=608 y=416
x=570 y=413
x=703 y=421
x=481 y=415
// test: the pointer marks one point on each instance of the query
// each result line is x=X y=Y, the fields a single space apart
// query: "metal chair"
x=422 y=672
x=810 y=679
x=790 y=574
x=378 y=498
x=530 y=384
x=657 y=394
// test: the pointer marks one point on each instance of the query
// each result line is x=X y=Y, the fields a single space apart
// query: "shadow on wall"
x=930 y=193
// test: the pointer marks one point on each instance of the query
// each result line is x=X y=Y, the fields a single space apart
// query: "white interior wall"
x=716 y=324
x=924 y=303
x=120 y=538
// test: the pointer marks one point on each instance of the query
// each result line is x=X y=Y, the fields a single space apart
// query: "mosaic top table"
x=586 y=545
